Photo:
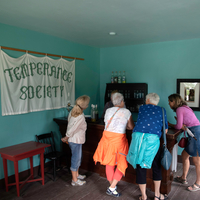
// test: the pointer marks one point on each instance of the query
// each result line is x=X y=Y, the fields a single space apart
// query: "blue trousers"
x=76 y=150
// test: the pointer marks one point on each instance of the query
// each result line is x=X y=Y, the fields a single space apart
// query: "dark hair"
x=178 y=101
x=114 y=91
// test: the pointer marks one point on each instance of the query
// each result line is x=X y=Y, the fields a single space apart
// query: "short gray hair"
x=153 y=98
x=117 y=98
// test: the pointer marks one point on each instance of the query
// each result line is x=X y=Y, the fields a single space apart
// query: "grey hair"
x=117 y=98
x=153 y=98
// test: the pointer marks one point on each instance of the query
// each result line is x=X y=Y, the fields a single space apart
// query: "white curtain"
x=30 y=83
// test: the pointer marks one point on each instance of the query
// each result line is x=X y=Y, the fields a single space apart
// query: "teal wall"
x=22 y=128
x=157 y=64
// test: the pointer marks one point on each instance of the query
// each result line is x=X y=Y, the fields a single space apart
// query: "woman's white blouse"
x=119 y=121
x=76 y=129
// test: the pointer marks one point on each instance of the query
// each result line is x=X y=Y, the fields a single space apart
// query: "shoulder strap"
x=111 y=119
x=164 y=135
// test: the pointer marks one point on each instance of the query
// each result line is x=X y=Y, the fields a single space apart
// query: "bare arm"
x=174 y=125
x=130 y=124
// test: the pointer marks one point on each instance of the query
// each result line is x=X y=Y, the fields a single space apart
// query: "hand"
x=65 y=139
x=183 y=127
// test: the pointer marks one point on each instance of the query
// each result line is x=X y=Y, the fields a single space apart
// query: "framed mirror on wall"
x=189 y=89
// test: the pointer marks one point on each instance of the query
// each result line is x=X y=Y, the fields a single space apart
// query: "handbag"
x=183 y=142
x=166 y=157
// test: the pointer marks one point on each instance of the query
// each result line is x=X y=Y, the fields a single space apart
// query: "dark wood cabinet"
x=134 y=94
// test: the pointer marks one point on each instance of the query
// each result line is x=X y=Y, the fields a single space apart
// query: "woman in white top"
x=75 y=137
x=113 y=146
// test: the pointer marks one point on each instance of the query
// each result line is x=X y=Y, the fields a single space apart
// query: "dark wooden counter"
x=93 y=136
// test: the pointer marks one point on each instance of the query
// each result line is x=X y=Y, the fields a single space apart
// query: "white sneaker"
x=113 y=193
x=81 y=177
x=78 y=183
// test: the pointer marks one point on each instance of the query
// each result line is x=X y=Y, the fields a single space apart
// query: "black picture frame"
x=189 y=89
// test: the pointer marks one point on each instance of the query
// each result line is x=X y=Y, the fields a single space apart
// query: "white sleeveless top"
x=119 y=121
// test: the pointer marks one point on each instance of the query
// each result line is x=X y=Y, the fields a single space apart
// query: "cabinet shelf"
x=134 y=94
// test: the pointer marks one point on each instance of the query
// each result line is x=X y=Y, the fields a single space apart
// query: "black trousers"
x=156 y=169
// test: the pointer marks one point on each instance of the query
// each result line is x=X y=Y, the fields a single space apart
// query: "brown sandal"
x=195 y=187
x=159 y=198
x=180 y=180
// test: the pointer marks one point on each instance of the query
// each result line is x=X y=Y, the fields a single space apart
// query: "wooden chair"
x=50 y=153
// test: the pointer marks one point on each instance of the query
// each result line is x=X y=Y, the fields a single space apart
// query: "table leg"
x=16 y=176
x=31 y=165
x=5 y=173
x=42 y=166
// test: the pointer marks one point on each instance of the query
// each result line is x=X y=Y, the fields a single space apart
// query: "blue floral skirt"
x=193 y=146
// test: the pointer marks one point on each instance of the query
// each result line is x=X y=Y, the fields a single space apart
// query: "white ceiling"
x=88 y=22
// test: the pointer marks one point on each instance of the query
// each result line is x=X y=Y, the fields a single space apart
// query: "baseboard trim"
x=23 y=175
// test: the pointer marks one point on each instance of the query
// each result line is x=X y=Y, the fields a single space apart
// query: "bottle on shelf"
x=93 y=119
x=123 y=77
x=119 y=77
x=142 y=94
x=112 y=77
x=116 y=78
x=96 y=113
x=139 y=94
x=135 y=94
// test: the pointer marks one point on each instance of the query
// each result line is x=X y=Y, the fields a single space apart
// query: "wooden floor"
x=95 y=189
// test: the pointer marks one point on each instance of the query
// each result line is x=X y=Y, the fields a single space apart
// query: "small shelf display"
x=134 y=94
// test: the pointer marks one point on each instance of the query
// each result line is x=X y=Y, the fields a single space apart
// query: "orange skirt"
x=112 y=150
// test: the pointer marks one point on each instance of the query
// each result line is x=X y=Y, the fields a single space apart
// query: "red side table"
x=19 y=152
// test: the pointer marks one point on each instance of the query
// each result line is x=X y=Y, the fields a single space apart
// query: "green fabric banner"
x=30 y=83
